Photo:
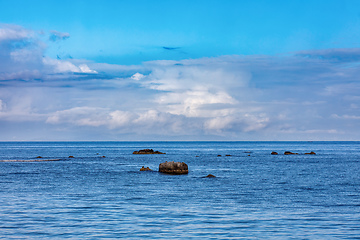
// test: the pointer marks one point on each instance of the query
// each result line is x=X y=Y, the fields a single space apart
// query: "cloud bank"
x=307 y=95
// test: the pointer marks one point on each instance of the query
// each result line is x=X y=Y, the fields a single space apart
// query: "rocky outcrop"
x=145 y=169
x=274 y=153
x=173 y=168
x=310 y=153
x=147 y=151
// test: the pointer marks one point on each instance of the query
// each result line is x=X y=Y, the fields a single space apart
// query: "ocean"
x=99 y=193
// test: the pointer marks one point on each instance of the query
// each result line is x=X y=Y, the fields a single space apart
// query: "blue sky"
x=179 y=70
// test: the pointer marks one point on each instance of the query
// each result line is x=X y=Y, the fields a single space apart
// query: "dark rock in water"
x=173 y=168
x=274 y=153
x=147 y=151
x=228 y=155
x=311 y=153
x=289 y=153
x=39 y=157
x=145 y=169
x=71 y=156
x=210 y=176
x=219 y=155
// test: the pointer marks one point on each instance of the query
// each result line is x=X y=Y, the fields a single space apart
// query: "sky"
x=179 y=70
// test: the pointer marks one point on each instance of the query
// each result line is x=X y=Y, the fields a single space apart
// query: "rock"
x=210 y=176
x=147 y=151
x=310 y=153
x=173 y=168
x=71 y=156
x=219 y=155
x=274 y=153
x=39 y=157
x=228 y=155
x=289 y=153
x=145 y=169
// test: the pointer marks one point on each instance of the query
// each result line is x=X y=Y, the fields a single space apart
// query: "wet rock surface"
x=173 y=168
x=145 y=169
x=289 y=153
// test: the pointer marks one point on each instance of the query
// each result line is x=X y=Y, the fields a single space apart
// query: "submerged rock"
x=310 y=153
x=289 y=153
x=210 y=176
x=145 y=169
x=274 y=153
x=147 y=151
x=173 y=168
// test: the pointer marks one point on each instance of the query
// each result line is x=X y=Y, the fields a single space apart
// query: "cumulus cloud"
x=137 y=76
x=13 y=32
x=22 y=56
x=300 y=94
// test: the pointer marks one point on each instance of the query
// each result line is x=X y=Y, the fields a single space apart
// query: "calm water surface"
x=255 y=195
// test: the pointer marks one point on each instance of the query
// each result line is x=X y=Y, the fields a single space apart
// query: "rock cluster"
x=147 y=151
x=173 y=168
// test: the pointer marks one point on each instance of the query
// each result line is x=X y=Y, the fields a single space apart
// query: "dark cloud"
x=57 y=36
x=337 y=54
x=171 y=48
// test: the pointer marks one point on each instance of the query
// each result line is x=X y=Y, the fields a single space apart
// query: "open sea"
x=101 y=194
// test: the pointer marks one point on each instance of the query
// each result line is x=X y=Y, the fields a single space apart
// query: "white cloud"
x=85 y=69
x=59 y=66
x=351 y=117
x=80 y=116
x=13 y=32
x=22 y=56
x=120 y=119
x=137 y=76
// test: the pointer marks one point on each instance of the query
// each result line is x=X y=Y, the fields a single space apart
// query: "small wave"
x=30 y=160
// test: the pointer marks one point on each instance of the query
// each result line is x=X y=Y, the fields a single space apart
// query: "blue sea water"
x=255 y=195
